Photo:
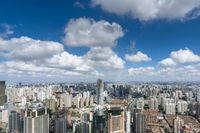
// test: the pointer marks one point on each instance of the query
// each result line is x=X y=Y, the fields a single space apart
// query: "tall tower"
x=99 y=91
x=36 y=119
x=128 y=121
x=2 y=93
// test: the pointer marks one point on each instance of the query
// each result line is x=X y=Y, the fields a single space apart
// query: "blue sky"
x=58 y=40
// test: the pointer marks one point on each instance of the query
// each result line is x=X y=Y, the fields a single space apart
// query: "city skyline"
x=90 y=39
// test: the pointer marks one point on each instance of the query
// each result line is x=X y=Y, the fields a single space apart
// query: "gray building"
x=100 y=121
x=2 y=92
x=15 y=122
x=140 y=124
x=83 y=127
x=36 y=119
x=60 y=123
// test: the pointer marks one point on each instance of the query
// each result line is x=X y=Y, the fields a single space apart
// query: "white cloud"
x=141 y=71
x=167 y=62
x=25 y=48
x=184 y=56
x=89 y=33
x=35 y=57
x=104 y=57
x=138 y=57
x=145 y=10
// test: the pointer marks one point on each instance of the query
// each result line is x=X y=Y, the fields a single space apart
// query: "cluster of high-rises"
x=100 y=108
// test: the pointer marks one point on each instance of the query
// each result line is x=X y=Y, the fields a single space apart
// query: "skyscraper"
x=100 y=121
x=116 y=120
x=36 y=119
x=2 y=93
x=15 y=123
x=60 y=122
x=140 y=123
x=128 y=121
x=99 y=91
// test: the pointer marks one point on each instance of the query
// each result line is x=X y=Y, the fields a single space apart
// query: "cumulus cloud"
x=145 y=10
x=25 y=48
x=167 y=62
x=104 y=57
x=138 y=57
x=141 y=70
x=88 y=32
x=184 y=56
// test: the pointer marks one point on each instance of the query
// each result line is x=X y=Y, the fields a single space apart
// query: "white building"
x=153 y=103
x=170 y=108
x=182 y=106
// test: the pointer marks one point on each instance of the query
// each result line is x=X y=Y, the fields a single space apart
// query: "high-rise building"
x=15 y=122
x=140 y=103
x=140 y=123
x=153 y=104
x=178 y=124
x=60 y=123
x=100 y=121
x=128 y=122
x=83 y=127
x=182 y=106
x=67 y=99
x=51 y=104
x=36 y=119
x=170 y=108
x=2 y=93
x=99 y=91
x=116 y=120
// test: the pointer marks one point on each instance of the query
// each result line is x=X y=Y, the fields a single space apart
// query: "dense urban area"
x=101 y=107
